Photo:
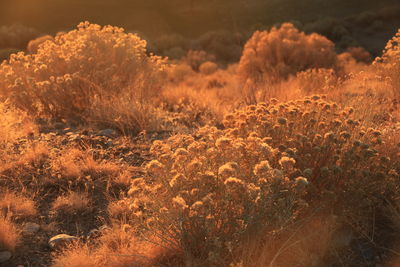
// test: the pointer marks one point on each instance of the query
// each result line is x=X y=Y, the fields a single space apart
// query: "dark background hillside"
x=187 y=17
x=192 y=18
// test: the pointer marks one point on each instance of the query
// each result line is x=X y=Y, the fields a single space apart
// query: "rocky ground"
x=44 y=233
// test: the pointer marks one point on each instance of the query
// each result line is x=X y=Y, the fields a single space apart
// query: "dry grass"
x=36 y=155
x=76 y=256
x=75 y=163
x=72 y=203
x=14 y=205
x=9 y=235
x=123 y=179
x=118 y=247
x=14 y=124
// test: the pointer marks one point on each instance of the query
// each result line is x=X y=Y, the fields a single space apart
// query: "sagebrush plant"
x=276 y=54
x=211 y=194
x=213 y=190
x=79 y=72
x=206 y=193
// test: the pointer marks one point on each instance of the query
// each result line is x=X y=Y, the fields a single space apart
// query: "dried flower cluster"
x=210 y=189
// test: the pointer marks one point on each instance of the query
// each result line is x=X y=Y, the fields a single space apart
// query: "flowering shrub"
x=81 y=72
x=276 y=54
x=207 y=192
x=330 y=147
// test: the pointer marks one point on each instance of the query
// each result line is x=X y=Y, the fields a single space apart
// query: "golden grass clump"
x=76 y=256
x=84 y=72
x=12 y=205
x=72 y=203
x=36 y=155
x=13 y=124
x=9 y=235
x=117 y=247
x=276 y=54
x=73 y=163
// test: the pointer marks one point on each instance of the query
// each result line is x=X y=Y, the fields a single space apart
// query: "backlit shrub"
x=205 y=196
x=83 y=71
x=276 y=54
x=207 y=192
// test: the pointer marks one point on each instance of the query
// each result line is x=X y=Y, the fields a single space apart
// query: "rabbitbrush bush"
x=204 y=194
x=93 y=73
x=274 y=55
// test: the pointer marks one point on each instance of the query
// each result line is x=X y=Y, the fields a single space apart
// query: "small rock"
x=110 y=133
x=60 y=240
x=5 y=256
x=31 y=228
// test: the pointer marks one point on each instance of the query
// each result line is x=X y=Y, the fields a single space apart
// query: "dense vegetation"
x=275 y=148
